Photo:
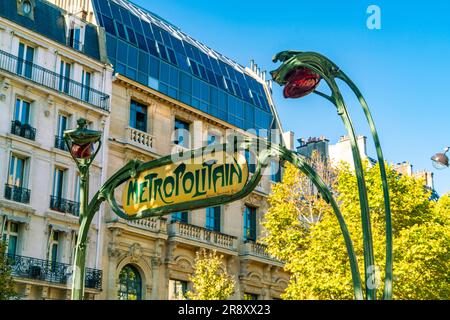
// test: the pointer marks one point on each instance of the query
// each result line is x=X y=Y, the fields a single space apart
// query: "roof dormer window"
x=26 y=8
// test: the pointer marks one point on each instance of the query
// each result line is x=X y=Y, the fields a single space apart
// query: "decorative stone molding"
x=135 y=252
x=27 y=290
x=5 y=84
x=44 y=293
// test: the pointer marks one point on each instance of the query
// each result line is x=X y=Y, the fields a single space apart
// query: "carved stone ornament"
x=135 y=252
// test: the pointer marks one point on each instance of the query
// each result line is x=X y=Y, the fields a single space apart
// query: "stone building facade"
x=152 y=90
x=48 y=79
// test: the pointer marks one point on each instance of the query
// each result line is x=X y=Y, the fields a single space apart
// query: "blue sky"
x=401 y=69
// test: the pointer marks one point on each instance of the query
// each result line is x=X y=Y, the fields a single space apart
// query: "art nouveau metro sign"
x=198 y=178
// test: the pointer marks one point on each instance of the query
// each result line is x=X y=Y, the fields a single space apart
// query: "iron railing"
x=23 y=129
x=50 y=271
x=64 y=205
x=17 y=194
x=60 y=143
x=53 y=80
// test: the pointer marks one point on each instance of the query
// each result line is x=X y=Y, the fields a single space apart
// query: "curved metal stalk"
x=329 y=71
x=387 y=295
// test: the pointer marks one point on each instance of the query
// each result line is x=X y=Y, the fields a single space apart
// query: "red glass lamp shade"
x=81 y=151
x=300 y=82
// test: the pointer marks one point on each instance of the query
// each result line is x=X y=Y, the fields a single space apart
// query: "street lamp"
x=440 y=160
x=83 y=145
x=300 y=74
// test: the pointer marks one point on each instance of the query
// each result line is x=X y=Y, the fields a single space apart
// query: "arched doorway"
x=130 y=284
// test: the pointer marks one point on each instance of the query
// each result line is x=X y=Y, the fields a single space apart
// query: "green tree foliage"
x=315 y=253
x=210 y=279
x=7 y=291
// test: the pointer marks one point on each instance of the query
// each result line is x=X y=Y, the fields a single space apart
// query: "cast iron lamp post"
x=83 y=145
x=300 y=74
x=440 y=160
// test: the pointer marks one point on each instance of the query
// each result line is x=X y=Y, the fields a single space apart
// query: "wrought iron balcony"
x=17 y=194
x=50 y=271
x=52 y=80
x=64 y=205
x=60 y=143
x=23 y=129
x=189 y=231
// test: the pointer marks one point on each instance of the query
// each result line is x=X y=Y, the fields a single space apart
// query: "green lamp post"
x=83 y=145
x=300 y=74
x=440 y=160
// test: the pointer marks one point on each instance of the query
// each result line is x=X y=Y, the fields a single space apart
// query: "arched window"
x=130 y=283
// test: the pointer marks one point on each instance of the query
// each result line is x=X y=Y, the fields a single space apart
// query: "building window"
x=59 y=183
x=16 y=186
x=54 y=249
x=182 y=133
x=138 y=116
x=64 y=76
x=17 y=171
x=11 y=237
x=25 y=8
x=275 y=171
x=250 y=223
x=249 y=156
x=130 y=284
x=213 y=218
x=86 y=88
x=75 y=38
x=180 y=216
x=76 y=196
x=59 y=137
x=22 y=111
x=25 y=60
x=177 y=289
x=250 y=296
x=21 y=123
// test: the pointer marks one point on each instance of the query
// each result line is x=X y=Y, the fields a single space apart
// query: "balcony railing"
x=60 y=143
x=64 y=205
x=17 y=194
x=50 y=271
x=250 y=247
x=52 y=80
x=23 y=129
x=150 y=224
x=189 y=231
x=139 y=138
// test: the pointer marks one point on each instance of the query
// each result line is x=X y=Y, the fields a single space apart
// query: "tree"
x=210 y=279
x=7 y=291
x=317 y=258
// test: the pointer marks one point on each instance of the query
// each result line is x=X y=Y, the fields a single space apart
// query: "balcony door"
x=22 y=111
x=59 y=183
x=138 y=116
x=62 y=125
x=25 y=60
x=64 y=76
x=86 y=79
x=250 y=223
x=11 y=237
x=16 y=176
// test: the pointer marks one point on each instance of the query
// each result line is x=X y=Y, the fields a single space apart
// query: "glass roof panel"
x=225 y=86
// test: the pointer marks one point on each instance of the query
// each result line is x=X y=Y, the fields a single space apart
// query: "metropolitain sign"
x=199 y=178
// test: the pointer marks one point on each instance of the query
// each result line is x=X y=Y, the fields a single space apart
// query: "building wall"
x=162 y=250
x=37 y=222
